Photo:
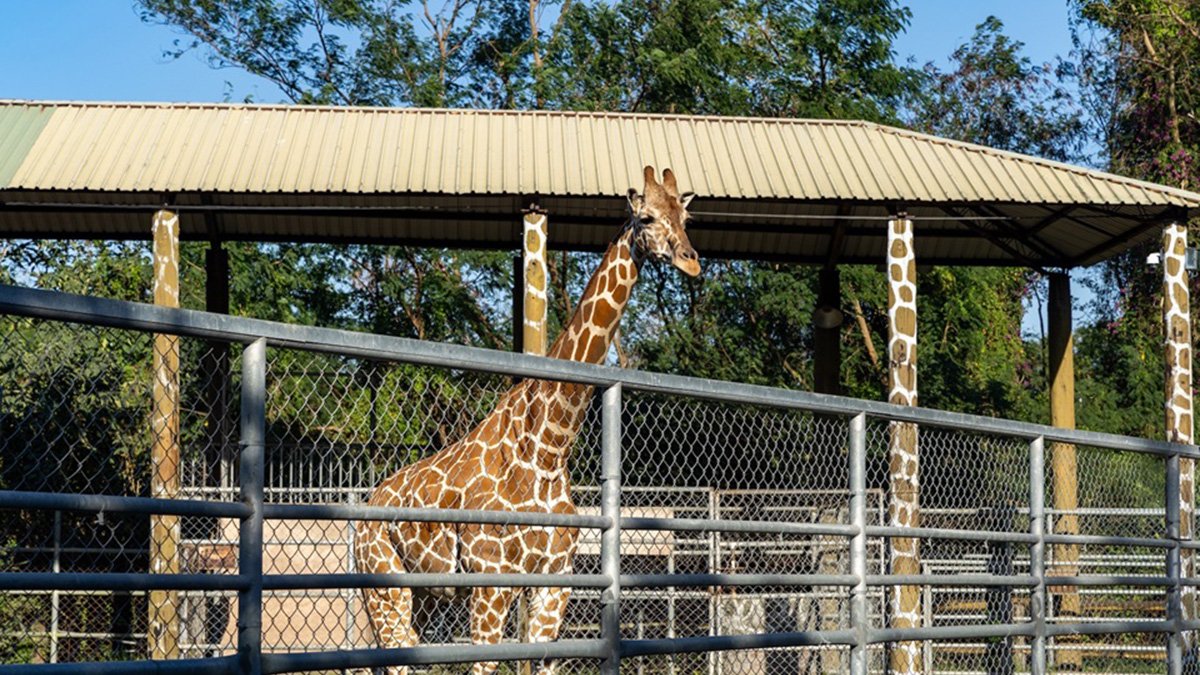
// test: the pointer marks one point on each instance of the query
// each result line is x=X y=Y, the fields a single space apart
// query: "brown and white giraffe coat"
x=517 y=459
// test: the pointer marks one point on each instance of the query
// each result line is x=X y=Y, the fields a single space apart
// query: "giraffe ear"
x=686 y=198
x=635 y=201
x=669 y=183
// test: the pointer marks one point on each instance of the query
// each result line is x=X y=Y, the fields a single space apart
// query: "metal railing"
x=859 y=638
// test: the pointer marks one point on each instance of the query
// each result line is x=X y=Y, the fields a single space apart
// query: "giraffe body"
x=516 y=459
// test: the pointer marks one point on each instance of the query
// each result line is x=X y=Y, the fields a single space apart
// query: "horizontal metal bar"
x=431 y=654
x=950 y=580
x=190 y=323
x=938 y=533
x=221 y=665
x=691 y=580
x=754 y=526
x=877 y=636
x=721 y=643
x=1096 y=540
x=286 y=582
x=1108 y=627
x=1102 y=580
x=422 y=515
x=18 y=499
x=92 y=581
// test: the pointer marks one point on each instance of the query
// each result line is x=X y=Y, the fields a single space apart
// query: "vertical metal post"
x=250 y=533
x=1037 y=553
x=54 y=595
x=671 y=607
x=610 y=538
x=714 y=566
x=859 y=620
x=1174 y=569
x=351 y=567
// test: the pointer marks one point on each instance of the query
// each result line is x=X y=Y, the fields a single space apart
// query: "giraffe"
x=1178 y=323
x=516 y=459
x=902 y=438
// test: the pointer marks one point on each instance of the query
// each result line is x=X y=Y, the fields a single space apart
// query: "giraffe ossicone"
x=516 y=459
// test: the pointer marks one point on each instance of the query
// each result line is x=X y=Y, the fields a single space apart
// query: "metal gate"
x=726 y=528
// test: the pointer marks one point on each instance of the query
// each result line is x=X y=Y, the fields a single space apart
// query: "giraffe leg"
x=489 y=610
x=547 y=608
x=389 y=609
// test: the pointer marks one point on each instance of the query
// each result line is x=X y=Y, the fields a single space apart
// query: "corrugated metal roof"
x=583 y=162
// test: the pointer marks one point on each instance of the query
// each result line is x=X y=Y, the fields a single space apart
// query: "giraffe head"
x=659 y=219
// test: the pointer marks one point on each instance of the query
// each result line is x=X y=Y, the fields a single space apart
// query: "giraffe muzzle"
x=687 y=261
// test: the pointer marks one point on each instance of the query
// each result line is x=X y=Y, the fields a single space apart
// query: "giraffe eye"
x=646 y=220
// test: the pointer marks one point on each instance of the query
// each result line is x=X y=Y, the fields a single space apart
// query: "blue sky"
x=100 y=50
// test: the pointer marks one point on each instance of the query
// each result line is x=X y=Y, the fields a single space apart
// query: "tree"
x=1136 y=71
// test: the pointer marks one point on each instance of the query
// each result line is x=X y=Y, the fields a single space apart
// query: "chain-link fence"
x=744 y=546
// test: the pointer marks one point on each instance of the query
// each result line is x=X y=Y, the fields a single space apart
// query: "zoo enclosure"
x=1008 y=520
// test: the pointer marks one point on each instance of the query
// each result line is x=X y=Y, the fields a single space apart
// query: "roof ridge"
x=194 y=105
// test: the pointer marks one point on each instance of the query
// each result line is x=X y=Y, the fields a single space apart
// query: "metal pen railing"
x=250 y=582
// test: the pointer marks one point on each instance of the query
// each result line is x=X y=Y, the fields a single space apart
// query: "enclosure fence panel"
x=706 y=527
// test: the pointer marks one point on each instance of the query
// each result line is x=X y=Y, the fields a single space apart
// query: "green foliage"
x=997 y=97
x=1136 y=70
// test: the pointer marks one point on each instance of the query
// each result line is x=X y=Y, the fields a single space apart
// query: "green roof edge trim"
x=20 y=128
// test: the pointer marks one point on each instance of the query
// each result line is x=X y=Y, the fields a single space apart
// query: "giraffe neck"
x=556 y=409
x=589 y=333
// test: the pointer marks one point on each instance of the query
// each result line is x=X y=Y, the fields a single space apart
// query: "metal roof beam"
x=1018 y=255
x=1019 y=233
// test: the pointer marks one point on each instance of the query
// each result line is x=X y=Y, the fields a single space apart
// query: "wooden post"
x=1063 y=463
x=903 y=451
x=163 y=631
x=1177 y=324
x=827 y=334
x=534 y=243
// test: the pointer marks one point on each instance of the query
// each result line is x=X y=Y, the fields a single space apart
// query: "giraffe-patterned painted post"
x=534 y=336
x=904 y=510
x=1177 y=322
x=534 y=245
x=163 y=620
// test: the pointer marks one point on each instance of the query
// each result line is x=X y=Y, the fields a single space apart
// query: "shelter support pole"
x=219 y=449
x=904 y=508
x=215 y=365
x=533 y=312
x=827 y=321
x=518 y=303
x=827 y=334
x=534 y=243
x=163 y=620
x=1063 y=465
x=1177 y=324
